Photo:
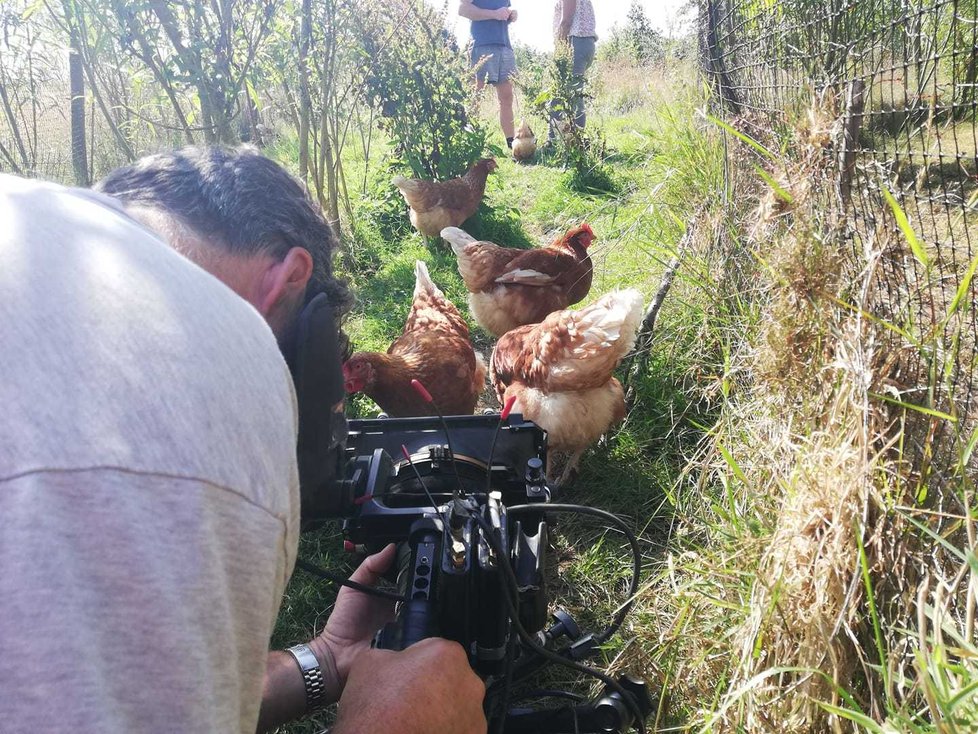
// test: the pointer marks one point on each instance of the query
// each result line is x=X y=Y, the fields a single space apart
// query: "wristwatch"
x=312 y=675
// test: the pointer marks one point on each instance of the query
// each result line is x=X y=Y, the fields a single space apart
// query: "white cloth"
x=148 y=486
x=583 y=25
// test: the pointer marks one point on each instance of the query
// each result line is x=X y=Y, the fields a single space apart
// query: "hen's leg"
x=569 y=474
x=555 y=463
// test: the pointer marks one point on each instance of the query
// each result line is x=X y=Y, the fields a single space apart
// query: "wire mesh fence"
x=904 y=77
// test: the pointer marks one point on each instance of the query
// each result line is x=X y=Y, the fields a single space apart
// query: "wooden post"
x=855 y=104
x=644 y=339
x=712 y=55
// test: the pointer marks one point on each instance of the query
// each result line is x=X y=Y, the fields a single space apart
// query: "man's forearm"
x=470 y=11
x=283 y=693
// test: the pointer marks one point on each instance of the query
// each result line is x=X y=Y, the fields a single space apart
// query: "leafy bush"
x=416 y=79
x=582 y=151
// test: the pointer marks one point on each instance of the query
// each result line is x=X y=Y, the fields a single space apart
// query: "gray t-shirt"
x=148 y=486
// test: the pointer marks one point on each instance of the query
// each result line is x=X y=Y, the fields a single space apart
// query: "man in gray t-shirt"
x=148 y=480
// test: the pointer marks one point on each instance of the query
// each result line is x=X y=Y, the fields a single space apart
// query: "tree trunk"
x=79 y=155
x=78 y=23
x=305 y=103
x=11 y=161
x=8 y=111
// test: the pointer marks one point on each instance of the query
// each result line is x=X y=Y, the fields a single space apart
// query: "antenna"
x=507 y=409
x=426 y=396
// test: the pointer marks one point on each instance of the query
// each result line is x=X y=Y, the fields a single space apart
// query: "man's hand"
x=512 y=16
x=427 y=688
x=356 y=616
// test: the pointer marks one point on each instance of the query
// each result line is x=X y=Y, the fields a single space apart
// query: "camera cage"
x=383 y=495
x=469 y=571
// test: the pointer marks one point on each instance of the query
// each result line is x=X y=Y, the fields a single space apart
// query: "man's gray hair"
x=237 y=200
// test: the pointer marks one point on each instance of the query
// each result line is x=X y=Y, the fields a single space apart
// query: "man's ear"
x=284 y=283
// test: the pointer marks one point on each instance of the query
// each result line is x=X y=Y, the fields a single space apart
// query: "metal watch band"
x=312 y=675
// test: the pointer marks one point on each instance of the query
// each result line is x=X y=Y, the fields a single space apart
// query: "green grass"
x=664 y=165
x=800 y=521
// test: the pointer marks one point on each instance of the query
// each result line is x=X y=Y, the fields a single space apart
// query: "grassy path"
x=663 y=166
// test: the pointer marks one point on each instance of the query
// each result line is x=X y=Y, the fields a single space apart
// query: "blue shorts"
x=500 y=65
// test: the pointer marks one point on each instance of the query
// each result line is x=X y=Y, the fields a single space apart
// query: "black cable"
x=315 y=570
x=512 y=593
x=492 y=452
x=502 y=708
x=550 y=693
x=448 y=439
x=426 y=396
x=503 y=415
x=619 y=618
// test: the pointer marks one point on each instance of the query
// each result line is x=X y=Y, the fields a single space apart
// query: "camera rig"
x=467 y=502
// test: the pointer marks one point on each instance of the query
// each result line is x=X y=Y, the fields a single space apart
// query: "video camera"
x=467 y=502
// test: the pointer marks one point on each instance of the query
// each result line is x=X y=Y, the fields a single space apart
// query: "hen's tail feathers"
x=423 y=282
x=457 y=238
x=407 y=186
x=613 y=321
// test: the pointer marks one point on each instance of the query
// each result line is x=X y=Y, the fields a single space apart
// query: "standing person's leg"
x=504 y=92
x=584 y=49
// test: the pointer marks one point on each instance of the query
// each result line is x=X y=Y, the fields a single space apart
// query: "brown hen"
x=510 y=287
x=439 y=204
x=560 y=371
x=434 y=349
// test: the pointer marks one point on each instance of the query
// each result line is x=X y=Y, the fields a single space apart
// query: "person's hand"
x=513 y=15
x=427 y=688
x=503 y=13
x=563 y=31
x=356 y=616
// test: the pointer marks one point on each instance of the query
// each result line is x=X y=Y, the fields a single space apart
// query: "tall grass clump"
x=821 y=575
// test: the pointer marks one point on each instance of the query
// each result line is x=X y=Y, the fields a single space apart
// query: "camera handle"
x=416 y=619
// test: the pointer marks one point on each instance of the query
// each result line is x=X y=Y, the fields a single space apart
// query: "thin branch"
x=643 y=341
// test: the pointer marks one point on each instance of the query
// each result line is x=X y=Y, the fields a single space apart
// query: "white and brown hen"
x=525 y=143
x=560 y=371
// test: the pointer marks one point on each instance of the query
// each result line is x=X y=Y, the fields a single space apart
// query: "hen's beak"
x=350 y=385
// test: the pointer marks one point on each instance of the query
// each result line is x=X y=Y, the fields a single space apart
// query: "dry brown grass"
x=839 y=618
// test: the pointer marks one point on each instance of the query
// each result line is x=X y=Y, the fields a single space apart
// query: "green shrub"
x=416 y=79
x=581 y=151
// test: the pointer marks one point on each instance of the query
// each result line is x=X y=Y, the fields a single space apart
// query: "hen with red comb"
x=434 y=352
x=510 y=287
